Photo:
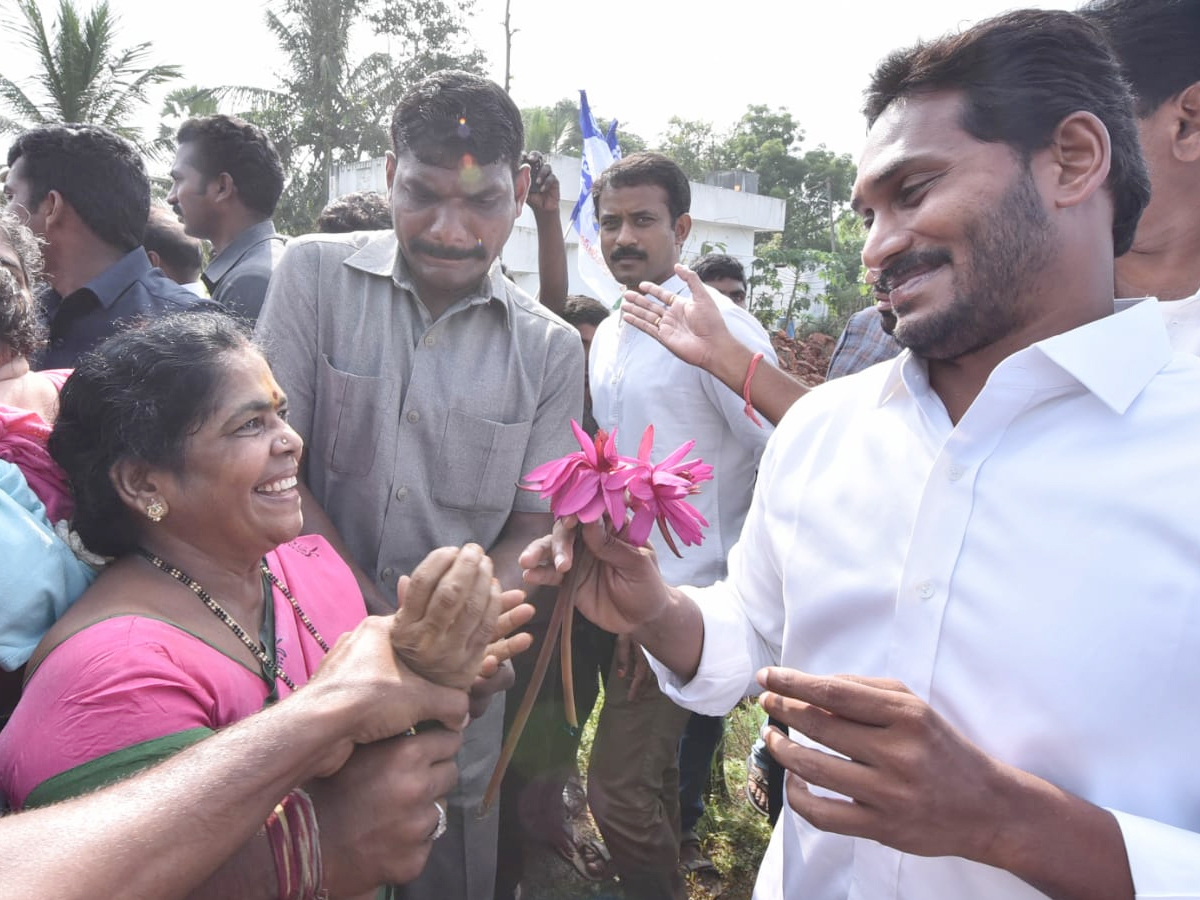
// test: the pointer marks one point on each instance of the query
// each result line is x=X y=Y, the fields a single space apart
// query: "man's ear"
x=54 y=208
x=155 y=259
x=1186 y=143
x=224 y=187
x=683 y=227
x=521 y=186
x=1080 y=155
x=389 y=169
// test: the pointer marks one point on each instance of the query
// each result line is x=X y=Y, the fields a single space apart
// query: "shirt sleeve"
x=287 y=328
x=740 y=613
x=733 y=405
x=562 y=400
x=1164 y=860
x=242 y=291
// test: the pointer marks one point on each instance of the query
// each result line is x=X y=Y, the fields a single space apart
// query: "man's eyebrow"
x=884 y=177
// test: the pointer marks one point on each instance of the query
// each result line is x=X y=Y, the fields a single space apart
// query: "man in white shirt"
x=1158 y=43
x=978 y=564
x=642 y=206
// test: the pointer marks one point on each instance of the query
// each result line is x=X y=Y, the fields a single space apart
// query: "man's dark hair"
x=21 y=330
x=229 y=144
x=453 y=114
x=1157 y=41
x=360 y=211
x=647 y=168
x=714 y=266
x=1020 y=75
x=98 y=172
x=579 y=310
x=180 y=251
x=138 y=396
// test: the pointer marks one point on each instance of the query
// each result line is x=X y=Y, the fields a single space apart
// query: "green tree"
x=83 y=76
x=694 y=146
x=334 y=105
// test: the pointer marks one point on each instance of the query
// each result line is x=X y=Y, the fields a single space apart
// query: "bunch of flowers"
x=634 y=492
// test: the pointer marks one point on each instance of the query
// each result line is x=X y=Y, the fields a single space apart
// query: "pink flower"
x=587 y=483
x=658 y=492
x=596 y=480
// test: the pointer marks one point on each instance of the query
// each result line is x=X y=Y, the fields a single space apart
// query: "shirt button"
x=430 y=340
x=925 y=590
x=401 y=493
x=387 y=574
x=414 y=416
x=955 y=472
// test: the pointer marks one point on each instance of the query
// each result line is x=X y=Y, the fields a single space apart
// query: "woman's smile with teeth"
x=275 y=487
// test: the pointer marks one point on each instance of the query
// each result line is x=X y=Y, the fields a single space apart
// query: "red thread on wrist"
x=749 y=410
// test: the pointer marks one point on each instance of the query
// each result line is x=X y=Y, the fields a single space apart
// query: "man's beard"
x=1009 y=247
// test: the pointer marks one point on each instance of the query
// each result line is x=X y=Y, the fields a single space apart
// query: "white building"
x=722 y=220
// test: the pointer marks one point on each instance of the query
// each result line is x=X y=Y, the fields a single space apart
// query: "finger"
x=866 y=743
x=564 y=542
x=640 y=306
x=866 y=700
x=537 y=562
x=517 y=617
x=502 y=649
x=425 y=578
x=817 y=767
x=462 y=593
x=437 y=703
x=697 y=287
x=431 y=746
x=658 y=292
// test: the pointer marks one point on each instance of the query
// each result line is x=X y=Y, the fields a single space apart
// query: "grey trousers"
x=462 y=865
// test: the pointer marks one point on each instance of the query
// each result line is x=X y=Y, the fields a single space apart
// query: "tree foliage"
x=335 y=105
x=816 y=256
x=82 y=76
x=555 y=129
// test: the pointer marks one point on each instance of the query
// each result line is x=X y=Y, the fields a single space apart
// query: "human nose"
x=885 y=240
x=449 y=227
x=173 y=195
x=289 y=440
x=626 y=235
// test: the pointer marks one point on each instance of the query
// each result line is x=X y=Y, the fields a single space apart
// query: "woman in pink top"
x=175 y=439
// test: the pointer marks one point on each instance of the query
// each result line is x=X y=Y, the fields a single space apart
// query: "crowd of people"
x=269 y=573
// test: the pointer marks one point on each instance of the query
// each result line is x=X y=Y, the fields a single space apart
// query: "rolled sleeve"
x=1164 y=860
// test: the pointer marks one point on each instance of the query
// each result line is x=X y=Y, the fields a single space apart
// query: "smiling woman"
x=175 y=440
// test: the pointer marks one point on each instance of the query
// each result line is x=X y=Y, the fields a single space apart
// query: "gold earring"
x=156 y=510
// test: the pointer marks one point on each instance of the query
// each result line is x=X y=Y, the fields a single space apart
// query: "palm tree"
x=83 y=76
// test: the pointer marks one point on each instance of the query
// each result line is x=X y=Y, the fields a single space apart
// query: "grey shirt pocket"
x=479 y=462
x=349 y=417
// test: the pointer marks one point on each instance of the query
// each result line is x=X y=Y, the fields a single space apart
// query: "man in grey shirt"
x=425 y=384
x=226 y=180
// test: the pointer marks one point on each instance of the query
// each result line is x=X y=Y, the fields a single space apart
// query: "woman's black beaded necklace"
x=269 y=665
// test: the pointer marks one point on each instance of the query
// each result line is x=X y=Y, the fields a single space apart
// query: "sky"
x=641 y=61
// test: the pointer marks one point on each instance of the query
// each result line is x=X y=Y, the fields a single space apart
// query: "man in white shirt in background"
x=1158 y=43
x=973 y=573
x=642 y=204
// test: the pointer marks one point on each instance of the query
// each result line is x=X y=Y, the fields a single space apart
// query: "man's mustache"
x=438 y=251
x=627 y=253
x=900 y=268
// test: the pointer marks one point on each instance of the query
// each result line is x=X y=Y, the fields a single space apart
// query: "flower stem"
x=566 y=596
x=527 y=701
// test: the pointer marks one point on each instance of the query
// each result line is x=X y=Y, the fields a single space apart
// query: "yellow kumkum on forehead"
x=469 y=172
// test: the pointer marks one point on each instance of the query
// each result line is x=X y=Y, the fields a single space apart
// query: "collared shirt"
x=1032 y=572
x=1182 y=318
x=636 y=381
x=128 y=290
x=417 y=430
x=237 y=277
x=863 y=343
